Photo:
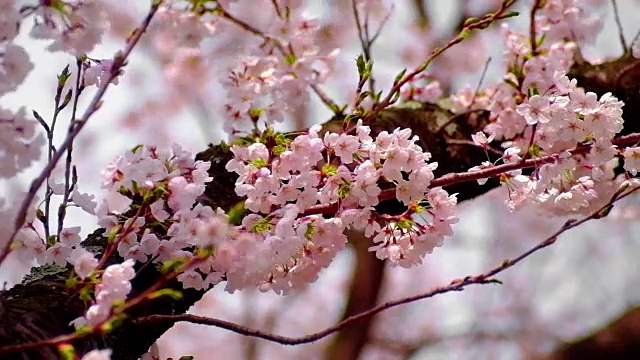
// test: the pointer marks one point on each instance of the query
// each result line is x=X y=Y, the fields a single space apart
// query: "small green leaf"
x=400 y=76
x=282 y=140
x=404 y=223
x=361 y=64
x=344 y=190
x=171 y=265
x=172 y=293
x=255 y=113
x=329 y=169
x=310 y=231
x=262 y=225
x=83 y=330
x=136 y=148
x=278 y=150
x=236 y=213
x=113 y=234
x=470 y=21
x=113 y=322
x=535 y=150
x=259 y=163
x=71 y=282
x=290 y=59
x=86 y=294
x=67 y=351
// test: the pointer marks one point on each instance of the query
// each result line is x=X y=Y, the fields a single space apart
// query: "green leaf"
x=290 y=59
x=344 y=190
x=114 y=322
x=236 y=213
x=172 y=293
x=329 y=169
x=278 y=150
x=83 y=330
x=282 y=140
x=400 y=76
x=86 y=294
x=361 y=64
x=255 y=113
x=71 y=282
x=405 y=223
x=259 y=163
x=63 y=77
x=470 y=21
x=113 y=234
x=309 y=232
x=136 y=148
x=262 y=225
x=171 y=265
x=67 y=351
x=535 y=150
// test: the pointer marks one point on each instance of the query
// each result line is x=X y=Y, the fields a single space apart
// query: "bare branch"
x=616 y=16
x=482 y=23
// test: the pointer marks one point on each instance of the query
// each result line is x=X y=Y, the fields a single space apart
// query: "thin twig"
x=533 y=40
x=482 y=23
x=482 y=76
x=50 y=130
x=366 y=40
x=326 y=99
x=616 y=16
x=62 y=209
x=455 y=285
x=471 y=143
x=635 y=39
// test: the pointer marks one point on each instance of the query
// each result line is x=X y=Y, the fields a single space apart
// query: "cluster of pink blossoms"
x=344 y=172
x=539 y=109
x=20 y=146
x=273 y=80
x=74 y=26
x=114 y=286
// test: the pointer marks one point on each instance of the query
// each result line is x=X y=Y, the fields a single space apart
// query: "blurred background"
x=568 y=291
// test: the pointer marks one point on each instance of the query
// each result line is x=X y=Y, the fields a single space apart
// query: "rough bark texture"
x=41 y=307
